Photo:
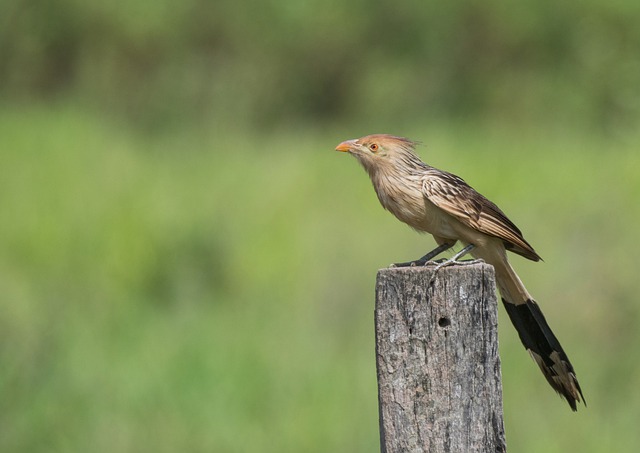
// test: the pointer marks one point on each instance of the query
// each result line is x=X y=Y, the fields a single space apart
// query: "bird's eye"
x=373 y=147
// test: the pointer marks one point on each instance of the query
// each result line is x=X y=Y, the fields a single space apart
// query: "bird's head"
x=379 y=150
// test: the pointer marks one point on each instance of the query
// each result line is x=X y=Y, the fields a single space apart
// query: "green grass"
x=213 y=291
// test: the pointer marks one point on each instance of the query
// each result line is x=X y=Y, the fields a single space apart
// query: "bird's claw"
x=461 y=263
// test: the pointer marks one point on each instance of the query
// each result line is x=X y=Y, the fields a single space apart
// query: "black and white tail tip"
x=544 y=347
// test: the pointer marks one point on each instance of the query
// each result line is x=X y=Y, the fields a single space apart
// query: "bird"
x=443 y=204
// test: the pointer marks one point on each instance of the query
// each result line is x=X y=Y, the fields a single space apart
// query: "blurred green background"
x=186 y=265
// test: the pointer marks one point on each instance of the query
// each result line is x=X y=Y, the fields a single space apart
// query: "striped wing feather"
x=453 y=195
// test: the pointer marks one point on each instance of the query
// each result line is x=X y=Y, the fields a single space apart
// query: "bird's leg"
x=454 y=259
x=425 y=259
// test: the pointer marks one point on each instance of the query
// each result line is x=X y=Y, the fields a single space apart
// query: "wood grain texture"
x=439 y=381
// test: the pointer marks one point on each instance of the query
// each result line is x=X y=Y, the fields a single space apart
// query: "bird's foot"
x=444 y=263
x=409 y=264
x=427 y=258
x=453 y=261
x=417 y=263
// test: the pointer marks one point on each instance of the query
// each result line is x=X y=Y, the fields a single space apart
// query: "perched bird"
x=444 y=205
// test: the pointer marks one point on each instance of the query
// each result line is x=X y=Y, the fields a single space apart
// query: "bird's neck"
x=397 y=181
x=402 y=167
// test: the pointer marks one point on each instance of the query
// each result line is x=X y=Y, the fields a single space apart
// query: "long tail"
x=536 y=335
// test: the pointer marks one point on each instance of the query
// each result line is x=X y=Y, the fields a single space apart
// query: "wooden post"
x=439 y=382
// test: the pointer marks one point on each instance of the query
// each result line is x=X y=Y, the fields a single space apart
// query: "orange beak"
x=346 y=146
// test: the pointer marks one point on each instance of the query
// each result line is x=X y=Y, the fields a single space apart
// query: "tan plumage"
x=444 y=205
x=451 y=194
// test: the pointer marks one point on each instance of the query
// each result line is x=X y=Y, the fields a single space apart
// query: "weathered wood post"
x=439 y=381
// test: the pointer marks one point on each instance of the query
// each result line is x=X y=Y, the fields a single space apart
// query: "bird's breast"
x=407 y=202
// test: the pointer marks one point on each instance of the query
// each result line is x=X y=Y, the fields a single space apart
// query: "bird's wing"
x=454 y=196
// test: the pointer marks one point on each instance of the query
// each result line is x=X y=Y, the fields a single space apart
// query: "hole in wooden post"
x=444 y=322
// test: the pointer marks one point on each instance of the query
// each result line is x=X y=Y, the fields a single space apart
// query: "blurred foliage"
x=269 y=62
x=187 y=293
x=187 y=266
